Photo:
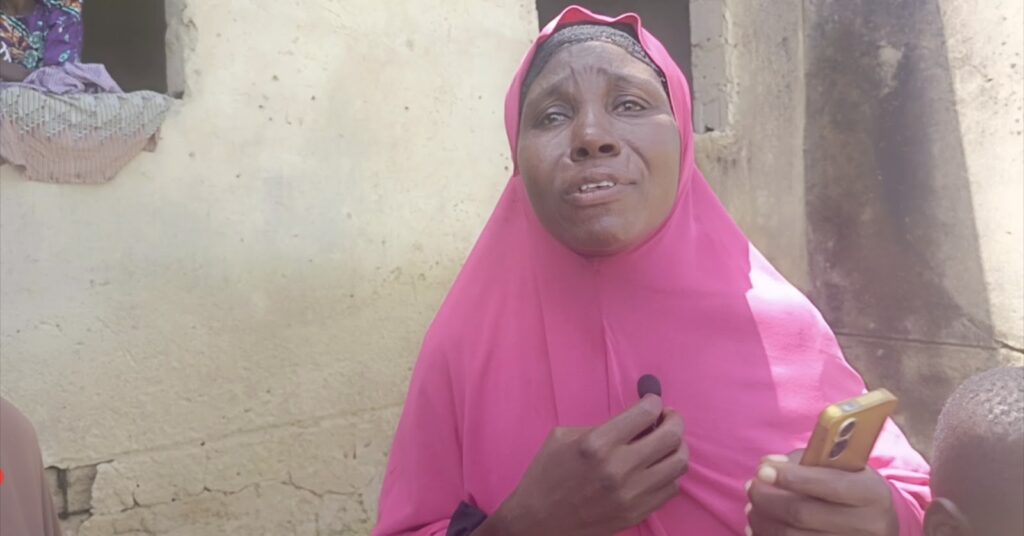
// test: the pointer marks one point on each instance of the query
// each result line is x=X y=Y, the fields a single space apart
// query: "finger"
x=564 y=433
x=667 y=471
x=663 y=441
x=859 y=488
x=801 y=512
x=628 y=424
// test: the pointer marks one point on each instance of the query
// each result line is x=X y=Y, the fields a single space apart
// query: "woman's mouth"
x=595 y=186
x=597 y=192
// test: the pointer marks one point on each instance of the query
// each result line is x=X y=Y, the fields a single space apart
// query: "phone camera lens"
x=847 y=429
x=838 y=449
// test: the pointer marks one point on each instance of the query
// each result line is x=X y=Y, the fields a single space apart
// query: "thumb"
x=564 y=433
x=768 y=469
x=622 y=428
x=793 y=457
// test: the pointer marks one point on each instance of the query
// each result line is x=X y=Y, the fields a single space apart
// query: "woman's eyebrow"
x=545 y=96
x=552 y=88
x=619 y=78
x=625 y=79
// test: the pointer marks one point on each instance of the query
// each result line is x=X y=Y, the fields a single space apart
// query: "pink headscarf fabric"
x=533 y=336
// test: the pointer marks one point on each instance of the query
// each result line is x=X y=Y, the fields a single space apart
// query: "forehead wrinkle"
x=554 y=87
x=577 y=72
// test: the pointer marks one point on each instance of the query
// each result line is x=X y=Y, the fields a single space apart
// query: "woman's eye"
x=630 y=105
x=551 y=118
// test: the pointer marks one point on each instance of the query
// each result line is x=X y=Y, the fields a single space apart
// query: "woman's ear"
x=943 y=518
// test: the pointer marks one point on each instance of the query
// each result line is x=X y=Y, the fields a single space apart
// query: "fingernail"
x=747 y=509
x=767 y=474
x=781 y=458
x=748 y=531
x=746 y=487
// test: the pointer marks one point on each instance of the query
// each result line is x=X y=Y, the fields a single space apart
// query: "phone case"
x=846 y=431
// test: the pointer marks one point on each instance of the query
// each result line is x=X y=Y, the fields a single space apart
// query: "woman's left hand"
x=789 y=499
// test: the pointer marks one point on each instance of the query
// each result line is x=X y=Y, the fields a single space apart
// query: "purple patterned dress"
x=50 y=35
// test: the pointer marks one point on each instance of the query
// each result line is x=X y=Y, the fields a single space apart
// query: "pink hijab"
x=533 y=336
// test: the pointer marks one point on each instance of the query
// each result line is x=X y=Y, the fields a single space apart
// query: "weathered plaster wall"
x=914 y=198
x=985 y=49
x=748 y=68
x=227 y=328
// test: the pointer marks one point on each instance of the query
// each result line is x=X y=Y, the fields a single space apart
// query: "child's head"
x=978 y=459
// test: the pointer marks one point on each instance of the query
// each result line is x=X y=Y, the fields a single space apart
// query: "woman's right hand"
x=600 y=480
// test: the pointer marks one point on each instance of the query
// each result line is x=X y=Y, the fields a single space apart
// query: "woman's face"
x=599 y=149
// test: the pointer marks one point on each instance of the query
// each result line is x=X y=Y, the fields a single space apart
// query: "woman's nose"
x=593 y=138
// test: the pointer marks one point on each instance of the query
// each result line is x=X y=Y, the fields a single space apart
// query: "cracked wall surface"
x=318 y=478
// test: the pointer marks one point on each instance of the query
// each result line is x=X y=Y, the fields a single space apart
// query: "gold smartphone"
x=846 y=431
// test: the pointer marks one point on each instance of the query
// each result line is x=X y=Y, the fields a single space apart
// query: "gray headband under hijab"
x=620 y=36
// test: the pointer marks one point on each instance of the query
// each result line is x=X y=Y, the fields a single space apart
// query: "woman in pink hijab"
x=608 y=257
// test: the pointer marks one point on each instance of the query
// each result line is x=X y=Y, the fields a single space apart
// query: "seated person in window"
x=38 y=33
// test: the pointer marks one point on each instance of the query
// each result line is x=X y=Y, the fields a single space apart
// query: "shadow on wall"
x=892 y=242
x=129 y=38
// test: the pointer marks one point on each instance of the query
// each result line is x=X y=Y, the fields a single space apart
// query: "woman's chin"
x=601 y=241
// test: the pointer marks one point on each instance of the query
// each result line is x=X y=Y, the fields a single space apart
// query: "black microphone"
x=648 y=384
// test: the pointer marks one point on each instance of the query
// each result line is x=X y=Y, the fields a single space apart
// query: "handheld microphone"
x=648 y=384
